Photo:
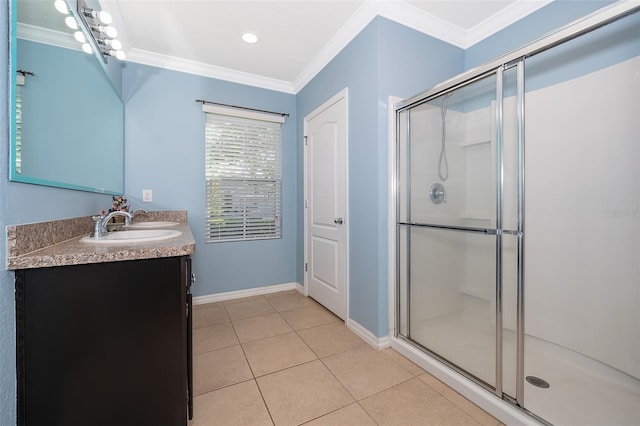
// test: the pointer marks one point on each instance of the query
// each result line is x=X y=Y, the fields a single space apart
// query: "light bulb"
x=61 y=7
x=115 y=44
x=103 y=17
x=71 y=22
x=120 y=55
x=87 y=48
x=109 y=31
x=79 y=36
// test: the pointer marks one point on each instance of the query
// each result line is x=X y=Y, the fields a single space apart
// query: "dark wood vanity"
x=105 y=343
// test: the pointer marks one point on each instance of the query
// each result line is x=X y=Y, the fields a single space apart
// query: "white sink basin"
x=148 y=225
x=136 y=236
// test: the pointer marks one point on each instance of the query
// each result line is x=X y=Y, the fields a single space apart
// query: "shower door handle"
x=338 y=221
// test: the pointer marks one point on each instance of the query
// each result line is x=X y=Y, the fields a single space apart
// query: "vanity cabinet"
x=104 y=343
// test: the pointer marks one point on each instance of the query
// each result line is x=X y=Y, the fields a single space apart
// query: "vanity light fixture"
x=93 y=29
x=250 y=38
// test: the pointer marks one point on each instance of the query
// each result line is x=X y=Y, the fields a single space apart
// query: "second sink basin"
x=135 y=236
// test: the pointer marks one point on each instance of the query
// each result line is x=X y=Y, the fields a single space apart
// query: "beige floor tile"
x=414 y=403
x=210 y=338
x=197 y=306
x=287 y=300
x=239 y=404
x=302 y=393
x=467 y=406
x=280 y=294
x=404 y=362
x=330 y=339
x=434 y=383
x=308 y=317
x=351 y=415
x=261 y=327
x=249 y=309
x=470 y=408
x=276 y=353
x=209 y=314
x=217 y=369
x=365 y=371
x=463 y=403
x=243 y=299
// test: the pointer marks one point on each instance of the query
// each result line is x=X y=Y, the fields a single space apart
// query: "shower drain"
x=537 y=381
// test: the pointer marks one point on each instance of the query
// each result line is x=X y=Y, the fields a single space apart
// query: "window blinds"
x=20 y=80
x=243 y=178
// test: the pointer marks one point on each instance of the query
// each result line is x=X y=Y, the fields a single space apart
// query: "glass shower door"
x=449 y=217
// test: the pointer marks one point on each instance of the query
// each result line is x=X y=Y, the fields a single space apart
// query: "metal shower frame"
x=497 y=66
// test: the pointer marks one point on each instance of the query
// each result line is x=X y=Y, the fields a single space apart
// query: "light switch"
x=147 y=195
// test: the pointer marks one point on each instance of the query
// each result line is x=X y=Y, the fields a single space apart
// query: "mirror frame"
x=13 y=48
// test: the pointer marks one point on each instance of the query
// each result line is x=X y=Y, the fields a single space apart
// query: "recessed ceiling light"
x=250 y=38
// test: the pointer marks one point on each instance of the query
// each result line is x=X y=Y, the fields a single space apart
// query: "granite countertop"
x=57 y=243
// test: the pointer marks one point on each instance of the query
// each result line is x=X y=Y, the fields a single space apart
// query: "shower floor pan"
x=582 y=391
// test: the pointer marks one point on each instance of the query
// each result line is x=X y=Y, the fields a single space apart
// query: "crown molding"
x=46 y=36
x=424 y=22
x=397 y=11
x=345 y=35
x=505 y=17
x=146 y=57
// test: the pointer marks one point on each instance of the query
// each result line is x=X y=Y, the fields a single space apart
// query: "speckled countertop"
x=57 y=243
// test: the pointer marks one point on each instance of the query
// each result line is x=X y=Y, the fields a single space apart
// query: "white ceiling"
x=296 y=37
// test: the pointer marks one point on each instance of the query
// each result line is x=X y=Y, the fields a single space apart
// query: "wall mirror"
x=67 y=111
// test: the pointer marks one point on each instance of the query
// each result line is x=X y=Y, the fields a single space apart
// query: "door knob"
x=338 y=221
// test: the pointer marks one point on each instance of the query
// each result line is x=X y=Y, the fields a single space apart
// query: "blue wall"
x=356 y=67
x=384 y=59
x=164 y=133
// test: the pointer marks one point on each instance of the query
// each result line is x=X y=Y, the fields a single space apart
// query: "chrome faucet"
x=100 y=222
x=138 y=211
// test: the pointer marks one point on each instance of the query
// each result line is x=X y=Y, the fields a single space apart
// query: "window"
x=243 y=175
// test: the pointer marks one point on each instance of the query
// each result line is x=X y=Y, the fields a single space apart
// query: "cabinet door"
x=102 y=344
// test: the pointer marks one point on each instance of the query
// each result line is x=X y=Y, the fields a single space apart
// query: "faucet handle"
x=97 y=221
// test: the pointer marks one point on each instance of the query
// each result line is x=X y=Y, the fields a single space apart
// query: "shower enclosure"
x=518 y=246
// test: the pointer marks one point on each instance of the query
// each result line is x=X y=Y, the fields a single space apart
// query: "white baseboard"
x=376 y=342
x=219 y=297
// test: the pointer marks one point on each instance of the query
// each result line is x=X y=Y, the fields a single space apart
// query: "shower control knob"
x=338 y=221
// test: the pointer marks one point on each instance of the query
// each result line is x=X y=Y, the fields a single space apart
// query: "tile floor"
x=282 y=359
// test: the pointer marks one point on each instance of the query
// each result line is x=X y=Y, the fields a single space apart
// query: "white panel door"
x=326 y=204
